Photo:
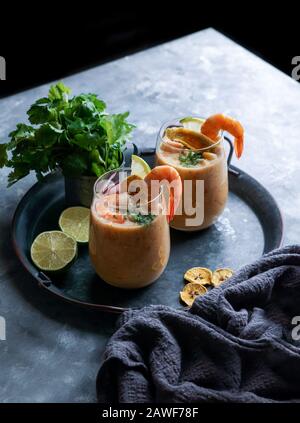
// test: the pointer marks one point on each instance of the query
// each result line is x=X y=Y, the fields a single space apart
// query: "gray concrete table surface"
x=53 y=351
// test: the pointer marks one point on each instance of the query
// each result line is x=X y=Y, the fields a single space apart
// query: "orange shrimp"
x=171 y=146
x=170 y=175
x=215 y=123
x=107 y=208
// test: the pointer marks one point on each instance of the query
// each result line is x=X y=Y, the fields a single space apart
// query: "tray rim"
x=45 y=282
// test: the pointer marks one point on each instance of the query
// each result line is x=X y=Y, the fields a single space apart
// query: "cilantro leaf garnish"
x=141 y=219
x=192 y=158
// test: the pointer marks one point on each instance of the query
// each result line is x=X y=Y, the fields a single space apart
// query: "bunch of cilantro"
x=74 y=134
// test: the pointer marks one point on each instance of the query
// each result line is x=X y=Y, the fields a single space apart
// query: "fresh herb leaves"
x=73 y=134
x=192 y=158
x=3 y=155
x=142 y=219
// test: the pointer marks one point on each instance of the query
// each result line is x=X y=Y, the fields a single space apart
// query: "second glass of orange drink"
x=194 y=147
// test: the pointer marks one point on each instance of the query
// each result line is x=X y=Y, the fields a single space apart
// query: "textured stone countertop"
x=53 y=351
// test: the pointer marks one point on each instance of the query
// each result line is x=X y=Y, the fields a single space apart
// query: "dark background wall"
x=47 y=43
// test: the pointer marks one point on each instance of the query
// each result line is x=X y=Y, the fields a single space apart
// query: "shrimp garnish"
x=107 y=208
x=214 y=124
x=171 y=146
x=170 y=175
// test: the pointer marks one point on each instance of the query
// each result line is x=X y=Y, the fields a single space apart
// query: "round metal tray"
x=250 y=225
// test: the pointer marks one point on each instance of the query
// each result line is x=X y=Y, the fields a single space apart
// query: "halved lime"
x=53 y=250
x=192 y=123
x=139 y=167
x=75 y=221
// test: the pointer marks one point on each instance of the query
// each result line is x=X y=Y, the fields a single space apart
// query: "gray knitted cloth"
x=235 y=344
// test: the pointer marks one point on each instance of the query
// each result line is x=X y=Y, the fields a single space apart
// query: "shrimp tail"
x=171 y=210
x=238 y=146
x=169 y=175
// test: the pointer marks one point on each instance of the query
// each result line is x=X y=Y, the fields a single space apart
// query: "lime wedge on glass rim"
x=192 y=123
x=53 y=251
x=75 y=221
x=139 y=167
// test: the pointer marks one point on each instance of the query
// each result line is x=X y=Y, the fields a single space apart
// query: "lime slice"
x=192 y=123
x=75 y=221
x=53 y=251
x=139 y=167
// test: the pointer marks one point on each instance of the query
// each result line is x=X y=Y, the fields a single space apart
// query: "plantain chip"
x=190 y=139
x=192 y=291
x=221 y=275
x=200 y=275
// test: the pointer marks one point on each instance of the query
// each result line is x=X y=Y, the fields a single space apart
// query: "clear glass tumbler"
x=129 y=239
x=204 y=176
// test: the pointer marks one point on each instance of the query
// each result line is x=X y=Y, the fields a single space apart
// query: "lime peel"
x=192 y=123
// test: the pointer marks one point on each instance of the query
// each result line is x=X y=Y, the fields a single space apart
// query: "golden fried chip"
x=191 y=291
x=220 y=275
x=200 y=275
x=190 y=139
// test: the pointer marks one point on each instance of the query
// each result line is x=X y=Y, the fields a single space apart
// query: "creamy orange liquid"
x=129 y=255
x=214 y=175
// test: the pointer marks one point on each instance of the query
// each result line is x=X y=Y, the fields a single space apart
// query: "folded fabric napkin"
x=236 y=344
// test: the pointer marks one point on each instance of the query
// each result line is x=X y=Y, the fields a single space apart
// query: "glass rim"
x=198 y=150
x=118 y=170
